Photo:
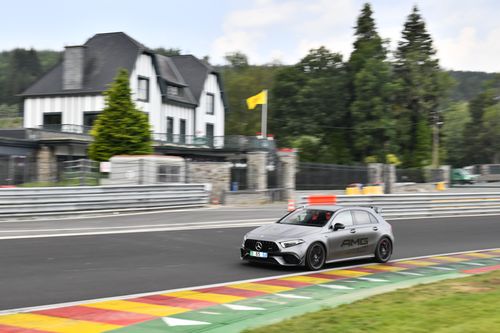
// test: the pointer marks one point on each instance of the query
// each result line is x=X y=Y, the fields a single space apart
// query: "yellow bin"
x=440 y=186
x=352 y=190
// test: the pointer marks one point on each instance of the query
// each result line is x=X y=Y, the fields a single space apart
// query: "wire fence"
x=81 y=172
x=16 y=169
x=411 y=175
x=319 y=176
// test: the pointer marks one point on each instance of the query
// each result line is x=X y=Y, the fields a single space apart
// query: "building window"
x=182 y=131
x=143 y=89
x=89 y=119
x=168 y=174
x=174 y=91
x=210 y=104
x=52 y=121
x=170 y=129
x=210 y=134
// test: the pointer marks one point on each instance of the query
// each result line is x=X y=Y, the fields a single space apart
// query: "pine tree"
x=422 y=152
x=121 y=128
x=421 y=88
x=370 y=83
x=24 y=67
x=479 y=143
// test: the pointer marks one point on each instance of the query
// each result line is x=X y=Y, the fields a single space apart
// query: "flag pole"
x=264 y=118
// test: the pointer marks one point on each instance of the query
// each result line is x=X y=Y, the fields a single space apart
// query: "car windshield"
x=308 y=217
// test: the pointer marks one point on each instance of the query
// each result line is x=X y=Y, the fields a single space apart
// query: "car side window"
x=361 y=217
x=344 y=217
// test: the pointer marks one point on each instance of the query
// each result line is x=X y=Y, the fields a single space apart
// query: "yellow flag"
x=260 y=98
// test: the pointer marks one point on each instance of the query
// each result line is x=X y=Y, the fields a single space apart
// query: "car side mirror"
x=338 y=226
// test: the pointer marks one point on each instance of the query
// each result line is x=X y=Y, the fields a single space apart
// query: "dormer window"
x=174 y=91
x=143 y=89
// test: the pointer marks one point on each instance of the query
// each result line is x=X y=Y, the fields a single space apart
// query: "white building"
x=182 y=95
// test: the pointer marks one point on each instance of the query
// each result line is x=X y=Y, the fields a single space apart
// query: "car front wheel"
x=315 y=257
x=383 y=252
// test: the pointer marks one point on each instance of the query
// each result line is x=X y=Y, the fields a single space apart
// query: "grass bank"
x=470 y=304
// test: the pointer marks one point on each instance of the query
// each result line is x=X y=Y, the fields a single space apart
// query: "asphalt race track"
x=48 y=270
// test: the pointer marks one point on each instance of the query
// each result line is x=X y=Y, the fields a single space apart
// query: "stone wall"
x=375 y=173
x=256 y=170
x=46 y=165
x=288 y=159
x=389 y=176
x=216 y=173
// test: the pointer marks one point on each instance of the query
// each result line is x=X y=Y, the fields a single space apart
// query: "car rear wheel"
x=383 y=252
x=315 y=257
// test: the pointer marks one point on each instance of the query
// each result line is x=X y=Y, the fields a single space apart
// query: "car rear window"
x=308 y=217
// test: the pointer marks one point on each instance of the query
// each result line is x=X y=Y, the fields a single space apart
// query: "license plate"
x=258 y=254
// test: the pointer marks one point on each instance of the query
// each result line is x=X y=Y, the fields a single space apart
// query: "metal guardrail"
x=61 y=200
x=426 y=204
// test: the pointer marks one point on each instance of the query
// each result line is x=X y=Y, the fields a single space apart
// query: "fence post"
x=288 y=159
x=389 y=178
x=256 y=170
x=375 y=173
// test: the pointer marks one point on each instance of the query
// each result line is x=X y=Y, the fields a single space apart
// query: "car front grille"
x=266 y=246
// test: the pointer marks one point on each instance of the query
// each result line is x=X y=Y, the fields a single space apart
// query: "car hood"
x=278 y=231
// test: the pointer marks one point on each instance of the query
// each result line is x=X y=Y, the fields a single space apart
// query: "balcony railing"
x=228 y=142
x=66 y=128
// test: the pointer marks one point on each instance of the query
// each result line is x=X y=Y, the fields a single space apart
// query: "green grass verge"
x=14 y=122
x=470 y=304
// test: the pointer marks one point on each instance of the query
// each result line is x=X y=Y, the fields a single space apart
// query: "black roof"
x=195 y=72
x=105 y=53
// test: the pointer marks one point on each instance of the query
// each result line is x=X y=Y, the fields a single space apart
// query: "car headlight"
x=291 y=243
x=245 y=238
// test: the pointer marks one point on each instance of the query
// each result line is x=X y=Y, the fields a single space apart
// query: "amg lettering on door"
x=353 y=242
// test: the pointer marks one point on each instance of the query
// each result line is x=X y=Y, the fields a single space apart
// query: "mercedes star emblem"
x=258 y=246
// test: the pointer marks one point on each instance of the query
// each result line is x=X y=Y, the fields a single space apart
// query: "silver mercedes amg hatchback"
x=314 y=235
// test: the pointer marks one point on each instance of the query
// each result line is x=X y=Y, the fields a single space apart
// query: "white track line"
x=139 y=229
x=58 y=305
x=99 y=214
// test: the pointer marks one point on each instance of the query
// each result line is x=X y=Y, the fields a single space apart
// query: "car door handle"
x=353 y=231
x=375 y=228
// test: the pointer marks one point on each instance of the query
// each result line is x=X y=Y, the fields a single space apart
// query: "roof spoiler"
x=377 y=210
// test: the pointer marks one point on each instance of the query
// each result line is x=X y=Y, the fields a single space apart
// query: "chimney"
x=73 y=66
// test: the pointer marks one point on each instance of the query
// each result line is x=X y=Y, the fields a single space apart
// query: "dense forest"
x=376 y=105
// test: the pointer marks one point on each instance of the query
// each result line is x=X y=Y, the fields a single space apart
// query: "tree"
x=491 y=120
x=456 y=118
x=310 y=99
x=370 y=87
x=241 y=83
x=479 y=138
x=421 y=87
x=23 y=68
x=172 y=51
x=121 y=128
x=237 y=59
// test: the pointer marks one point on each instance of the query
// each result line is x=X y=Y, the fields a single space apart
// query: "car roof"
x=324 y=207
x=335 y=207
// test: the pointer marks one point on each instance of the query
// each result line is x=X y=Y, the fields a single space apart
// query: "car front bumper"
x=287 y=258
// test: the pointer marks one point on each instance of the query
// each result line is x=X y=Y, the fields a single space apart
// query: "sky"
x=466 y=33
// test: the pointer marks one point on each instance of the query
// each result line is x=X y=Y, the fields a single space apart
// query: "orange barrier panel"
x=321 y=199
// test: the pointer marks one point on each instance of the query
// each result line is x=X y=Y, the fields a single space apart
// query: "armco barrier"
x=60 y=200
x=425 y=204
